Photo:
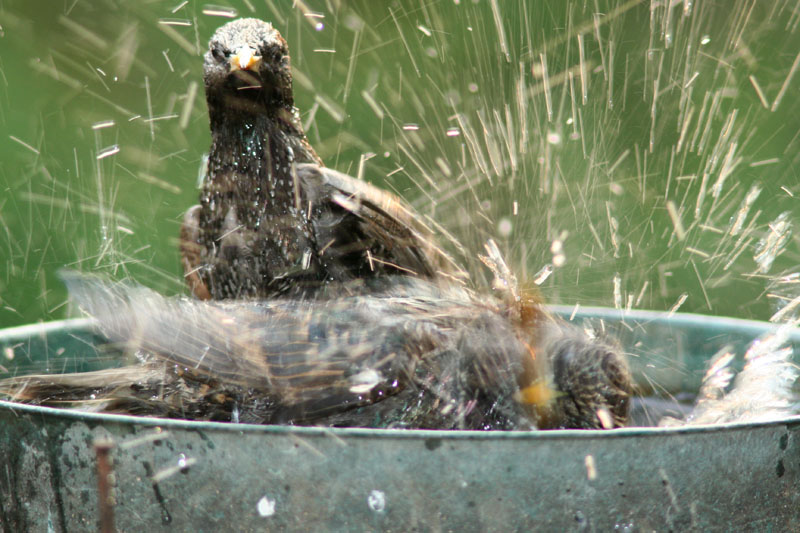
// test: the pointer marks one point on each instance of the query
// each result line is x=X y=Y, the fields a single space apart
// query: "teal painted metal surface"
x=199 y=476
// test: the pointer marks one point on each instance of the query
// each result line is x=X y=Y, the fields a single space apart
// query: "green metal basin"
x=174 y=475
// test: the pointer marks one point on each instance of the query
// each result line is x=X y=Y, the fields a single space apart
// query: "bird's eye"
x=218 y=54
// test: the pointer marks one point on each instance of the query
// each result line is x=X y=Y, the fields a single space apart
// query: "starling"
x=413 y=355
x=272 y=220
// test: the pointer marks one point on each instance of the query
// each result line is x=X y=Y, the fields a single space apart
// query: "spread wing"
x=289 y=360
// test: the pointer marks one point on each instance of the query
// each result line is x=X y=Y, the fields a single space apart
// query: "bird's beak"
x=245 y=59
x=538 y=394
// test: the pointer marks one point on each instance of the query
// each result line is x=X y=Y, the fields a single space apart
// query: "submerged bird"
x=411 y=354
x=272 y=220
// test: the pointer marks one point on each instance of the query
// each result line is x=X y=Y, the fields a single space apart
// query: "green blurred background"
x=644 y=152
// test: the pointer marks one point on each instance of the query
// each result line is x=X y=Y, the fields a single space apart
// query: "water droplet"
x=109 y=151
x=377 y=501
x=266 y=507
x=543 y=274
x=219 y=11
x=365 y=381
x=103 y=124
x=504 y=227
x=773 y=242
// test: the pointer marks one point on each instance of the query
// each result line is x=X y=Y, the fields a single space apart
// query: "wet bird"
x=272 y=220
x=395 y=342
x=413 y=354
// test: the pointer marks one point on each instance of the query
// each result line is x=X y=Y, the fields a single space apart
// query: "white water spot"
x=201 y=171
x=377 y=501
x=682 y=298
x=103 y=124
x=107 y=152
x=773 y=242
x=266 y=507
x=553 y=138
x=365 y=381
x=591 y=467
x=504 y=227
x=219 y=11
x=543 y=274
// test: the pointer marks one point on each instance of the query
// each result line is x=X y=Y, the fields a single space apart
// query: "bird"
x=413 y=354
x=272 y=219
x=319 y=299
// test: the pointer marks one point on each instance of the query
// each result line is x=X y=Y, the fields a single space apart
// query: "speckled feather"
x=272 y=219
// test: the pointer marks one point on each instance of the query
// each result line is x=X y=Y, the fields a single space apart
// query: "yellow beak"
x=538 y=394
x=245 y=59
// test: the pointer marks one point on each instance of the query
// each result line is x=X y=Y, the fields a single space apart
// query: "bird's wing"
x=311 y=356
x=192 y=253
x=56 y=388
x=359 y=224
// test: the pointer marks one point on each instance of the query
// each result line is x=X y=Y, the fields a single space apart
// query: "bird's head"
x=247 y=65
x=590 y=385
